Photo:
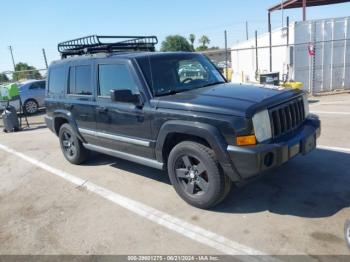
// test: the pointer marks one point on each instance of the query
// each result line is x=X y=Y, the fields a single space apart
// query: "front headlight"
x=262 y=126
x=306 y=105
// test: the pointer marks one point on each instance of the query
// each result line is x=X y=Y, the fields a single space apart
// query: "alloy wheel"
x=31 y=107
x=192 y=175
x=68 y=144
x=347 y=232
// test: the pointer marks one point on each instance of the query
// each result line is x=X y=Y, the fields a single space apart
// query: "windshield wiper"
x=214 y=83
x=173 y=92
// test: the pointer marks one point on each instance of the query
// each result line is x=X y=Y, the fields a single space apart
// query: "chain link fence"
x=23 y=75
x=318 y=55
x=322 y=66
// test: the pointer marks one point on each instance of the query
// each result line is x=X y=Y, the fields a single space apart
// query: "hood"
x=228 y=98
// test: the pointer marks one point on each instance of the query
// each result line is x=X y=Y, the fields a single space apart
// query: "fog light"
x=268 y=159
x=246 y=140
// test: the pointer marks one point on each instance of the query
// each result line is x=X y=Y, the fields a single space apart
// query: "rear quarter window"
x=80 y=80
x=38 y=85
x=57 y=81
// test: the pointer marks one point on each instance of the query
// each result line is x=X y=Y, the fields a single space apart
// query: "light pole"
x=13 y=60
x=45 y=59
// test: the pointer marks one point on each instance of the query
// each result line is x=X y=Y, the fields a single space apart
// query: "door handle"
x=102 y=109
x=68 y=106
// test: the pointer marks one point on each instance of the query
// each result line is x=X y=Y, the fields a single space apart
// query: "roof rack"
x=106 y=44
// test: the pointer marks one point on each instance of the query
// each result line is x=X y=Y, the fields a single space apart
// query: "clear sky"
x=29 y=26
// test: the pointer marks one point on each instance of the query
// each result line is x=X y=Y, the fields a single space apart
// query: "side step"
x=137 y=159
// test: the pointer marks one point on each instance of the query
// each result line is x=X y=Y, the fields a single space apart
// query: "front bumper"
x=252 y=160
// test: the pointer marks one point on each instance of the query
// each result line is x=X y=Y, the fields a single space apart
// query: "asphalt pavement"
x=112 y=206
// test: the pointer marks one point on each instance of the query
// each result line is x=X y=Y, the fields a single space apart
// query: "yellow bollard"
x=293 y=85
x=229 y=74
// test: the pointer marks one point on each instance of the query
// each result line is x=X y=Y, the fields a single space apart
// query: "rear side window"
x=115 y=77
x=42 y=84
x=34 y=86
x=38 y=85
x=80 y=80
x=57 y=80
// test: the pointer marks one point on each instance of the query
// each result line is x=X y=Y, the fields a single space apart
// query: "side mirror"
x=126 y=96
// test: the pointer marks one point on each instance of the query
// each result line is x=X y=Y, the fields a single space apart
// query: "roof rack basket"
x=106 y=44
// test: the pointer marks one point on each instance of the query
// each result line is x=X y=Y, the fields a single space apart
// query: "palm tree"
x=204 y=40
x=192 y=38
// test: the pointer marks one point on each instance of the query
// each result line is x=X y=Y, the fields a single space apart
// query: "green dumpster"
x=9 y=92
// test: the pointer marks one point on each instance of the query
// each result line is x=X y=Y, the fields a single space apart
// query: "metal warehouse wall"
x=329 y=69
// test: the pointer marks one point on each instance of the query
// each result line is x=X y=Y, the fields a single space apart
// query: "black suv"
x=124 y=100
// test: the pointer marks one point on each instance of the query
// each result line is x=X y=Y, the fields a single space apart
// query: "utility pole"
x=246 y=29
x=226 y=55
x=44 y=54
x=13 y=60
x=282 y=13
x=270 y=41
x=288 y=50
x=287 y=31
x=304 y=10
x=256 y=56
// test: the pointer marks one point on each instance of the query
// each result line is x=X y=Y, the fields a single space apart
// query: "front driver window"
x=115 y=77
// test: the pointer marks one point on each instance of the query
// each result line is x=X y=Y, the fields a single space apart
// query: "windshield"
x=173 y=73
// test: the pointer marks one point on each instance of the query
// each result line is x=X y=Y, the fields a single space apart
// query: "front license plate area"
x=309 y=144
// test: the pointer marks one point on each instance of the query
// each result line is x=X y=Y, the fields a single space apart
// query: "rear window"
x=57 y=80
x=38 y=85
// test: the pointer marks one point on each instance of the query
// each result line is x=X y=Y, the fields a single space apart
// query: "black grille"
x=287 y=117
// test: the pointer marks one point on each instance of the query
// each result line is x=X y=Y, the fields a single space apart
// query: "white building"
x=327 y=70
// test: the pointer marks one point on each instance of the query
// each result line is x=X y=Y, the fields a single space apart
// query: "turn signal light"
x=246 y=140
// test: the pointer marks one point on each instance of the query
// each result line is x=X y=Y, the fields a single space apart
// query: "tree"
x=192 y=38
x=26 y=72
x=204 y=41
x=3 y=78
x=176 y=43
x=201 y=48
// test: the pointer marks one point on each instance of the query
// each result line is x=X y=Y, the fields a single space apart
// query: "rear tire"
x=72 y=148
x=31 y=107
x=196 y=176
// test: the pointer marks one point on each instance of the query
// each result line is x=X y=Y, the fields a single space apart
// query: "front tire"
x=347 y=232
x=196 y=176
x=72 y=148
